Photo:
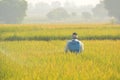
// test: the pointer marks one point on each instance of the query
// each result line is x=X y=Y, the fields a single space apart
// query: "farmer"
x=74 y=45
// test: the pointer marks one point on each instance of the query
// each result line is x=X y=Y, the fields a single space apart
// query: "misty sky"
x=77 y=2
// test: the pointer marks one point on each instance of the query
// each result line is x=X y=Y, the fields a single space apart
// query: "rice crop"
x=38 y=53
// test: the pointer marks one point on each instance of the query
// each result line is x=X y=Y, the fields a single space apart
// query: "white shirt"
x=82 y=45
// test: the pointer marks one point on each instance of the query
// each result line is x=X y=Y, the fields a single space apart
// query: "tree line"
x=14 y=11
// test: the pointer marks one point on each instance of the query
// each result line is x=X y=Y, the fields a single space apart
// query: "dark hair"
x=74 y=33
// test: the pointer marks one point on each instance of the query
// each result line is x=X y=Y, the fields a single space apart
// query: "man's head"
x=74 y=35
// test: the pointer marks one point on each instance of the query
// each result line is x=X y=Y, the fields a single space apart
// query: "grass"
x=44 y=59
x=59 y=32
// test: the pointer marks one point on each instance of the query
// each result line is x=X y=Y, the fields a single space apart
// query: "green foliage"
x=12 y=11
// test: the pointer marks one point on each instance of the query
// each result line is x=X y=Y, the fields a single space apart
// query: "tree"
x=113 y=8
x=99 y=11
x=57 y=14
x=12 y=11
x=41 y=8
x=86 y=15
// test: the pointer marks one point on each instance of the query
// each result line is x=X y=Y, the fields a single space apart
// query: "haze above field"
x=59 y=11
x=65 y=11
x=76 y=2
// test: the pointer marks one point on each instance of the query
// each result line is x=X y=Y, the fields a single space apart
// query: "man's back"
x=74 y=45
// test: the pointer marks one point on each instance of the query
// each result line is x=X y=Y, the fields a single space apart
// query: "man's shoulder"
x=79 y=41
x=76 y=40
x=69 y=41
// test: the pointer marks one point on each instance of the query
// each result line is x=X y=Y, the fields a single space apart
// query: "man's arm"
x=82 y=47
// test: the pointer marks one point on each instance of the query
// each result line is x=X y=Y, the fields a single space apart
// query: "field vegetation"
x=36 y=52
x=59 y=32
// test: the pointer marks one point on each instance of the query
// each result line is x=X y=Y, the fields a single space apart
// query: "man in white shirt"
x=74 y=45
